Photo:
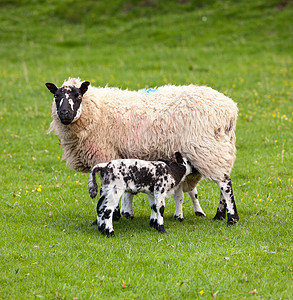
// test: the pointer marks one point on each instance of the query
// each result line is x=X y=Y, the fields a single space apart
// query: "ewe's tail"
x=92 y=183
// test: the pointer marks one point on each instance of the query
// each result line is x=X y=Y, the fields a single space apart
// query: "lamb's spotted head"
x=185 y=162
x=68 y=101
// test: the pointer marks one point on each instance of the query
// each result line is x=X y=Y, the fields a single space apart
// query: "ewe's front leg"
x=179 y=198
x=127 y=206
x=221 y=210
x=227 y=194
x=196 y=206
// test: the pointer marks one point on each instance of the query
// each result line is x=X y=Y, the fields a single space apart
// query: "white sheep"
x=101 y=124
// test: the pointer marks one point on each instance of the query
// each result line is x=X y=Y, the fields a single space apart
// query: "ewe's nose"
x=64 y=112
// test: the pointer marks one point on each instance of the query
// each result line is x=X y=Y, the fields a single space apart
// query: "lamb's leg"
x=160 y=205
x=179 y=198
x=110 y=204
x=221 y=210
x=126 y=206
x=153 y=217
x=116 y=213
x=100 y=206
x=196 y=206
x=227 y=194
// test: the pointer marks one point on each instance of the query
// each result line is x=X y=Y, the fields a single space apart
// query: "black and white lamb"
x=158 y=179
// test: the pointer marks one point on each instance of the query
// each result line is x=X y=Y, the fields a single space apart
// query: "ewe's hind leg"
x=227 y=194
x=196 y=206
x=126 y=205
x=179 y=198
x=153 y=217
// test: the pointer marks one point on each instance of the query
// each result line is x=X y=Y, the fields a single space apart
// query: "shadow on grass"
x=139 y=225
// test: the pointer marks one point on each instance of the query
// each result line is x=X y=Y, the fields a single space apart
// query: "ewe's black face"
x=68 y=101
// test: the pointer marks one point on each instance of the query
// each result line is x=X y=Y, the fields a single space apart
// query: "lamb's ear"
x=179 y=158
x=51 y=87
x=84 y=87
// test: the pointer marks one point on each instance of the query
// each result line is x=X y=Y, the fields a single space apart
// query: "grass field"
x=48 y=249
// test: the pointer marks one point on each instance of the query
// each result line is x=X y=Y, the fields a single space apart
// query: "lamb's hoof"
x=179 y=218
x=109 y=233
x=94 y=223
x=127 y=215
x=161 y=228
x=232 y=221
x=200 y=214
x=102 y=228
x=153 y=223
x=116 y=214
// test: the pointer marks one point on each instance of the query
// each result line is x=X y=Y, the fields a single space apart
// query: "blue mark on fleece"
x=148 y=91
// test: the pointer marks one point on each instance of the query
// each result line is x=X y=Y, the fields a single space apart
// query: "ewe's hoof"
x=127 y=215
x=220 y=215
x=200 y=214
x=232 y=221
x=179 y=218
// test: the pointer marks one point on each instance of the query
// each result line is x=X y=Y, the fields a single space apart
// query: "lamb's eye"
x=78 y=97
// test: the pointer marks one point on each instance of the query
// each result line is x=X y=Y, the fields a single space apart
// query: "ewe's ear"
x=51 y=87
x=179 y=158
x=84 y=87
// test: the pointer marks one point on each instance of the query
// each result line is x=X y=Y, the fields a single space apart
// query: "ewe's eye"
x=78 y=97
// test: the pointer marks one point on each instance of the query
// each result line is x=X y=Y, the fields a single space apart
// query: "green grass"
x=48 y=249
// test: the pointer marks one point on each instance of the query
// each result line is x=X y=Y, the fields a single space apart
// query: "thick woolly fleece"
x=195 y=120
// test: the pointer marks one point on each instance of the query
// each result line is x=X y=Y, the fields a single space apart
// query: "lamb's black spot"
x=162 y=208
x=116 y=214
x=195 y=196
x=154 y=208
x=102 y=198
x=162 y=190
x=107 y=213
x=115 y=190
x=172 y=185
x=165 y=177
